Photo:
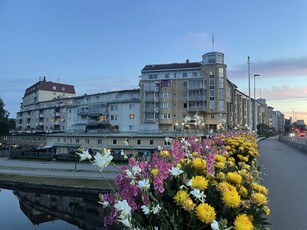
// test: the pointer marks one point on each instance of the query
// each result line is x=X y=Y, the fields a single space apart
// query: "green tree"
x=5 y=122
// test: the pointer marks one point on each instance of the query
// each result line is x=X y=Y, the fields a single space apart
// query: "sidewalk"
x=75 y=170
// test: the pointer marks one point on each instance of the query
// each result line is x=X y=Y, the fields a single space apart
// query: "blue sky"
x=99 y=46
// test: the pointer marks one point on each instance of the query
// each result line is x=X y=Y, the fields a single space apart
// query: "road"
x=285 y=175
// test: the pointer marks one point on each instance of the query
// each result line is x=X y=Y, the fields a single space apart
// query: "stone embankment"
x=55 y=176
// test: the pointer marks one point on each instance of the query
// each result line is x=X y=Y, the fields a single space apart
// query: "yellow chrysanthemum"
x=231 y=159
x=199 y=163
x=242 y=222
x=205 y=213
x=231 y=198
x=179 y=165
x=181 y=196
x=221 y=175
x=195 y=154
x=220 y=165
x=199 y=182
x=234 y=177
x=226 y=186
x=260 y=188
x=258 y=198
x=245 y=159
x=243 y=172
x=164 y=153
x=154 y=171
x=243 y=191
x=220 y=158
x=228 y=148
x=188 y=204
x=266 y=210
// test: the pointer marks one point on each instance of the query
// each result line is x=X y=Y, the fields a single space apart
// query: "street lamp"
x=249 y=96
x=255 y=107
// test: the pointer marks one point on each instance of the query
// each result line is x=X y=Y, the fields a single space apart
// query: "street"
x=284 y=174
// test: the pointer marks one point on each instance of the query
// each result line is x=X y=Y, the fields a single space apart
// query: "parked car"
x=302 y=134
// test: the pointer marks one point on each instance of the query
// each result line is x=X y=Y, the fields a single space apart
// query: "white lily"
x=144 y=184
x=215 y=225
x=156 y=209
x=136 y=170
x=102 y=161
x=175 y=171
x=85 y=155
x=145 y=209
x=198 y=195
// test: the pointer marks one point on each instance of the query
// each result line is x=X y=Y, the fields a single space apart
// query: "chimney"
x=187 y=61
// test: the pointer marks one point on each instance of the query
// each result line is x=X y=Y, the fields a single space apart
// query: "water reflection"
x=41 y=207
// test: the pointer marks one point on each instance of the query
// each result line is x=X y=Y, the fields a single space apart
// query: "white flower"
x=156 y=209
x=189 y=183
x=123 y=207
x=145 y=209
x=103 y=160
x=105 y=204
x=215 y=225
x=156 y=228
x=85 y=155
x=197 y=119
x=181 y=187
x=129 y=174
x=126 y=222
x=122 y=153
x=168 y=140
x=198 y=195
x=175 y=171
x=144 y=184
x=186 y=119
x=160 y=147
x=136 y=170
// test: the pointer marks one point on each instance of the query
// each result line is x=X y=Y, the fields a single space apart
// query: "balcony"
x=196 y=108
x=152 y=110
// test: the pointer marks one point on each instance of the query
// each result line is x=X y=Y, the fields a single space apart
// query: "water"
x=27 y=210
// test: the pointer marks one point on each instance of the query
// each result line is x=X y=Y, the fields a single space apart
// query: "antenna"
x=212 y=41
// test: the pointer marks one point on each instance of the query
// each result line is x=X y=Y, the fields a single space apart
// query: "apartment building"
x=170 y=92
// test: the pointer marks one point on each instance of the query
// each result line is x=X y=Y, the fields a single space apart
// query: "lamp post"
x=249 y=97
x=255 y=107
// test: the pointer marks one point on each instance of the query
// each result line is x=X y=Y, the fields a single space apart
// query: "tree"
x=6 y=123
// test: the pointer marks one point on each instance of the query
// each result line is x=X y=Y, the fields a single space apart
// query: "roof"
x=173 y=66
x=50 y=86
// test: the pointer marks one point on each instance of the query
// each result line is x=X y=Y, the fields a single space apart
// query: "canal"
x=34 y=209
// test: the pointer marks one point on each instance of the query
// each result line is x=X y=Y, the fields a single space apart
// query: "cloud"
x=284 y=92
x=274 y=68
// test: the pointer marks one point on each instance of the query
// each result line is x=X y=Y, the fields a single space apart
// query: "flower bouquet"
x=194 y=184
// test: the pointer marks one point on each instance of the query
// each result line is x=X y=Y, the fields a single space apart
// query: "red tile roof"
x=50 y=86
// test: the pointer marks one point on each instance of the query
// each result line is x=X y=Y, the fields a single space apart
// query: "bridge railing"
x=296 y=142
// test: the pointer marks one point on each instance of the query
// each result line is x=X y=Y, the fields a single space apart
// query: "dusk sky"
x=100 y=46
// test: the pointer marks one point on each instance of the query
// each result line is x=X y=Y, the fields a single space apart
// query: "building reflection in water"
x=83 y=212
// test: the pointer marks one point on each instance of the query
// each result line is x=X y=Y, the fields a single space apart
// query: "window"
x=54 y=87
x=99 y=141
x=166 y=75
x=212 y=116
x=165 y=94
x=184 y=75
x=194 y=74
x=131 y=116
x=87 y=141
x=185 y=105
x=114 y=142
x=165 y=105
x=111 y=107
x=57 y=139
x=151 y=142
x=166 y=83
x=138 y=142
x=131 y=106
x=130 y=127
x=165 y=116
